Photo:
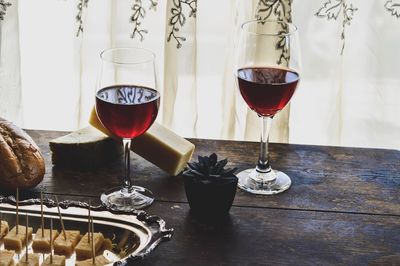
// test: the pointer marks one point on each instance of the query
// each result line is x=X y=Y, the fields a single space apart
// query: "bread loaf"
x=21 y=163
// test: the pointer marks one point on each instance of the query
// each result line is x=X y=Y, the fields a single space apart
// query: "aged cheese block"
x=57 y=261
x=66 y=246
x=3 y=229
x=84 y=148
x=33 y=260
x=84 y=249
x=7 y=257
x=158 y=145
x=14 y=241
x=42 y=244
x=99 y=260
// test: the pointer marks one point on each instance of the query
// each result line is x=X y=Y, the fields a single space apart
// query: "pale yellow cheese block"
x=158 y=145
x=84 y=248
x=33 y=260
x=99 y=260
x=3 y=229
x=14 y=241
x=57 y=261
x=7 y=257
x=42 y=244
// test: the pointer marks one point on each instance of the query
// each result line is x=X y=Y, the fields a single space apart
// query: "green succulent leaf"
x=209 y=169
x=193 y=165
x=213 y=159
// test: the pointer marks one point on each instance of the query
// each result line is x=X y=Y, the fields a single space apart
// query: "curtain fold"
x=179 y=98
x=10 y=79
x=349 y=78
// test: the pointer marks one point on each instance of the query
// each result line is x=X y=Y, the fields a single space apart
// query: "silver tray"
x=133 y=234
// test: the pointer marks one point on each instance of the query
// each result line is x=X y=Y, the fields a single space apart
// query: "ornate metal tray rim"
x=153 y=223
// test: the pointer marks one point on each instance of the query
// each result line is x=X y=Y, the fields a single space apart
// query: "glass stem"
x=127 y=186
x=263 y=160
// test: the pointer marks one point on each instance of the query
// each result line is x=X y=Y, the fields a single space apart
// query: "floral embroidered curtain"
x=349 y=83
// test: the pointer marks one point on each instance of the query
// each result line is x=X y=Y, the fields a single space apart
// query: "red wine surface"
x=126 y=110
x=267 y=90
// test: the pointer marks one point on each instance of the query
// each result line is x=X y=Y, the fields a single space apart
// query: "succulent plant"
x=209 y=170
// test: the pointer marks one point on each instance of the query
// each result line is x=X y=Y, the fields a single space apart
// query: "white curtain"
x=346 y=96
x=10 y=81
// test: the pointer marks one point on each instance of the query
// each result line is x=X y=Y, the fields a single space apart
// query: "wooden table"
x=343 y=207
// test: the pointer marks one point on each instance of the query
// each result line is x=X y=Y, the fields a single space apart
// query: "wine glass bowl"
x=128 y=111
x=267 y=74
x=127 y=103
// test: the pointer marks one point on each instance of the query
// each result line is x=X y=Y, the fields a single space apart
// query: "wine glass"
x=127 y=103
x=267 y=73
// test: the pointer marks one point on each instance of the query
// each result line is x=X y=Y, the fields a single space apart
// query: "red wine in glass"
x=127 y=110
x=267 y=90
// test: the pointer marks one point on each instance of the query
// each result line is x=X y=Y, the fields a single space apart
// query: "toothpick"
x=41 y=212
x=51 y=241
x=1 y=223
x=17 y=211
x=26 y=238
x=93 y=251
x=89 y=222
x=61 y=220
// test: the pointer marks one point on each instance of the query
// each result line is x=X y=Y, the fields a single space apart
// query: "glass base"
x=120 y=200
x=270 y=183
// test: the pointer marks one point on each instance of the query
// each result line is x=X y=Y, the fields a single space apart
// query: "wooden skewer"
x=51 y=241
x=26 y=238
x=17 y=211
x=89 y=216
x=93 y=251
x=1 y=223
x=41 y=213
x=61 y=220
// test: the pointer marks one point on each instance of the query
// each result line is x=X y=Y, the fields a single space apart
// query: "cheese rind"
x=84 y=148
x=14 y=241
x=66 y=246
x=158 y=145
x=84 y=248
x=42 y=244
x=57 y=261
x=7 y=257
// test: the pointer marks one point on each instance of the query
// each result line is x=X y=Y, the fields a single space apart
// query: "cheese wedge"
x=57 y=261
x=14 y=241
x=7 y=257
x=85 y=148
x=66 y=246
x=42 y=244
x=99 y=260
x=33 y=260
x=84 y=249
x=158 y=145
x=4 y=229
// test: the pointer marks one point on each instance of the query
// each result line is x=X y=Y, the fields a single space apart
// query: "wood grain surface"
x=343 y=207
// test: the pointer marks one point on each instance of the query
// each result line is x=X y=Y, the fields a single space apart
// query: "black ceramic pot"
x=214 y=198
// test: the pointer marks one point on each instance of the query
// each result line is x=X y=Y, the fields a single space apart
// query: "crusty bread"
x=21 y=163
